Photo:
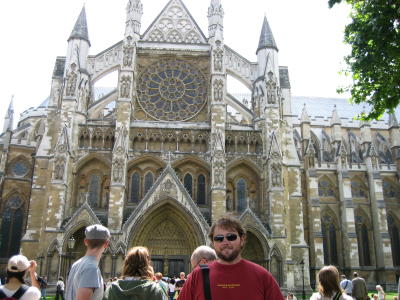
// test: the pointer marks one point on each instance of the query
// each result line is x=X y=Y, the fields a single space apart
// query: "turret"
x=78 y=45
x=134 y=12
x=216 y=20
x=305 y=129
x=336 y=125
x=394 y=131
x=9 y=117
x=267 y=52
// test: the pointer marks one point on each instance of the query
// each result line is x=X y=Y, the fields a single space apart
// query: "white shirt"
x=318 y=296
x=171 y=287
x=32 y=293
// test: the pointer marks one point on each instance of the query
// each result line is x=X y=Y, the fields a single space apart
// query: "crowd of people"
x=218 y=273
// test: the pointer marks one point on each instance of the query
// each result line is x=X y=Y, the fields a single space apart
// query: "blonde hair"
x=329 y=282
x=137 y=263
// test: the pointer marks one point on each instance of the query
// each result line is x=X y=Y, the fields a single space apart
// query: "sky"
x=308 y=34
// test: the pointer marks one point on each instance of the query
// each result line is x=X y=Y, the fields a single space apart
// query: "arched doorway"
x=70 y=255
x=171 y=236
x=253 y=250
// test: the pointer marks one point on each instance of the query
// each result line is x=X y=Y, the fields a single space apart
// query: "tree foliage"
x=374 y=62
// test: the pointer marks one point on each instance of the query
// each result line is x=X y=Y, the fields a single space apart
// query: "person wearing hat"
x=84 y=280
x=17 y=268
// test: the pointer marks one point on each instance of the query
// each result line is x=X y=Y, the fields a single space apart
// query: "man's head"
x=228 y=238
x=202 y=255
x=158 y=275
x=355 y=274
x=343 y=276
x=182 y=275
x=96 y=236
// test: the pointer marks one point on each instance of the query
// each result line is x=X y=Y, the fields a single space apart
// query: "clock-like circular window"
x=172 y=90
x=19 y=168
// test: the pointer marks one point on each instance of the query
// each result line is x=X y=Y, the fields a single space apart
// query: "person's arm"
x=33 y=275
x=84 y=294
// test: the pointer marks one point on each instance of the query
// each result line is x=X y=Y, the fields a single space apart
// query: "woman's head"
x=379 y=288
x=329 y=283
x=137 y=263
x=17 y=267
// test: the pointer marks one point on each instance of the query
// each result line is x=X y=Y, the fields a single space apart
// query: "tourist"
x=231 y=277
x=43 y=285
x=171 y=287
x=84 y=280
x=60 y=288
x=381 y=293
x=291 y=296
x=359 y=291
x=346 y=285
x=179 y=284
x=163 y=285
x=17 y=268
x=329 y=285
x=137 y=279
x=202 y=255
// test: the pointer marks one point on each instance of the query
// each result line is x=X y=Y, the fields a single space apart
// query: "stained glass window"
x=135 y=188
x=241 y=188
x=171 y=90
x=94 y=190
x=11 y=227
x=19 y=168
x=325 y=189
x=357 y=190
x=188 y=184
x=363 y=242
x=329 y=241
x=148 y=182
x=201 y=189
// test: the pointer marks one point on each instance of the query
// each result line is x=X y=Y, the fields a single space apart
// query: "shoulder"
x=31 y=293
x=316 y=296
x=346 y=297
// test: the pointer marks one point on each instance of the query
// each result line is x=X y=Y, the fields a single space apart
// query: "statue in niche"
x=72 y=78
x=59 y=169
x=272 y=90
x=118 y=170
x=276 y=173
x=229 y=204
x=218 y=90
x=125 y=86
x=218 y=58
x=219 y=173
x=128 y=53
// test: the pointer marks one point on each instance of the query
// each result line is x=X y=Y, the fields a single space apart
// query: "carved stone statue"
x=218 y=59
x=125 y=86
x=128 y=53
x=218 y=90
x=72 y=78
x=272 y=91
x=59 y=169
x=276 y=173
x=118 y=170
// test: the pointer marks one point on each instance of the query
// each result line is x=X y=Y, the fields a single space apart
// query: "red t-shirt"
x=244 y=280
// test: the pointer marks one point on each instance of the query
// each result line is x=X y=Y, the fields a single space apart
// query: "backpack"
x=42 y=283
x=17 y=295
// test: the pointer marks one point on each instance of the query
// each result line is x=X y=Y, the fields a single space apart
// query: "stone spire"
x=304 y=115
x=215 y=19
x=134 y=12
x=335 y=120
x=80 y=30
x=9 y=118
x=266 y=38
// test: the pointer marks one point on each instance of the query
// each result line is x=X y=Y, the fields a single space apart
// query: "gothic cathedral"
x=169 y=150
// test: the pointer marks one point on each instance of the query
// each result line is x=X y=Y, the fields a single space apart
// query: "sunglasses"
x=229 y=237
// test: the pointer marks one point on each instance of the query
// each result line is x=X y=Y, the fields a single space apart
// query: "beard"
x=229 y=257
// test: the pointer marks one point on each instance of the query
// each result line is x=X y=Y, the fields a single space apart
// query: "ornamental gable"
x=174 y=25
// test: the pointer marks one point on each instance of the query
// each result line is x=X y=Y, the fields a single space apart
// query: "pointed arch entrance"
x=253 y=250
x=171 y=236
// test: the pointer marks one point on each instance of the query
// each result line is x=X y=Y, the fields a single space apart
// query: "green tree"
x=374 y=62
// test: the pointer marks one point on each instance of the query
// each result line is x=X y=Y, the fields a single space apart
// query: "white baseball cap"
x=18 y=263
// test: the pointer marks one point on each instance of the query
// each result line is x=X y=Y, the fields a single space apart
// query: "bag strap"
x=206 y=281
x=347 y=283
x=337 y=296
x=2 y=295
x=21 y=291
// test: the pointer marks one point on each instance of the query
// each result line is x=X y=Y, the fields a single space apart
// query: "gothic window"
x=11 y=227
x=329 y=241
x=358 y=190
x=389 y=191
x=94 y=190
x=135 y=188
x=394 y=240
x=172 y=90
x=19 y=168
x=188 y=184
x=148 y=182
x=241 y=195
x=325 y=188
x=201 y=189
x=363 y=242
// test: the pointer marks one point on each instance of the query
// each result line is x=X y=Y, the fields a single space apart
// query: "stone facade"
x=170 y=157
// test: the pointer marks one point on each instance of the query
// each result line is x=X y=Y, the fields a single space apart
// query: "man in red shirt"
x=231 y=276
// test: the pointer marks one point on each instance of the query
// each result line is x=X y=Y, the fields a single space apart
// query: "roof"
x=80 y=30
x=266 y=38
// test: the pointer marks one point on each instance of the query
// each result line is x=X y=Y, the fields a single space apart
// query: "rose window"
x=172 y=90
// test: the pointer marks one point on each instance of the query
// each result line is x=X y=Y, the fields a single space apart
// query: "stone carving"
x=276 y=175
x=128 y=53
x=118 y=170
x=272 y=90
x=59 y=167
x=229 y=204
x=125 y=86
x=72 y=78
x=218 y=58
x=219 y=168
x=218 y=90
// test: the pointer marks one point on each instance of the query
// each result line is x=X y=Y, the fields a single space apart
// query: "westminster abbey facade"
x=170 y=149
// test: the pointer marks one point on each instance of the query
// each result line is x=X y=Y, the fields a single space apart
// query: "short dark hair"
x=18 y=275
x=355 y=274
x=95 y=243
x=227 y=223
